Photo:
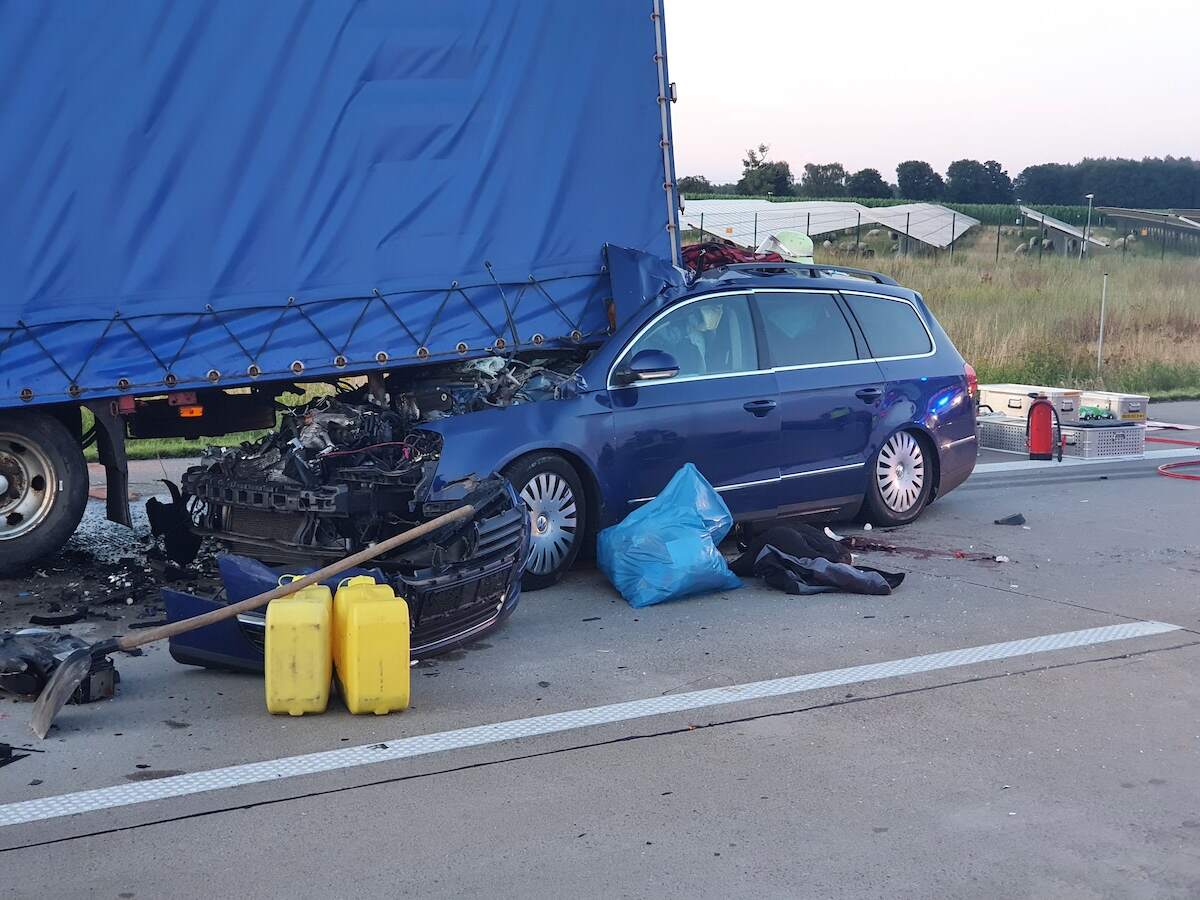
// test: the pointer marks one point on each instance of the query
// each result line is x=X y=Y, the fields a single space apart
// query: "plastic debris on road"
x=29 y=657
x=667 y=549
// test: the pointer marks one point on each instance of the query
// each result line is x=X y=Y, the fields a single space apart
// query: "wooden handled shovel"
x=70 y=674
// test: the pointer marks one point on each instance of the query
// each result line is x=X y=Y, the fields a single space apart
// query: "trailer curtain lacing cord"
x=1171 y=470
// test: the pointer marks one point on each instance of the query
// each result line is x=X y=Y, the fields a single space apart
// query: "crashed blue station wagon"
x=797 y=390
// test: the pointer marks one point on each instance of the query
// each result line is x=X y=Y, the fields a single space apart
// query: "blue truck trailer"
x=205 y=204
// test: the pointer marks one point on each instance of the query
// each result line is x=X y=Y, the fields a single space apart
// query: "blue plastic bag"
x=667 y=549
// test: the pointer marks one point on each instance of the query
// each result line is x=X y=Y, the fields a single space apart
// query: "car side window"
x=805 y=329
x=891 y=327
x=714 y=336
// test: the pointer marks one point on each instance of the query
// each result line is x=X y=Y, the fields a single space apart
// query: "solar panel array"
x=1058 y=225
x=1184 y=220
x=928 y=223
x=749 y=222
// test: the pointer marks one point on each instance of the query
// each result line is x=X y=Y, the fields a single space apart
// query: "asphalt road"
x=1066 y=767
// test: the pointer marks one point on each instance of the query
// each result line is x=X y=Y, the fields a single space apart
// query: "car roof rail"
x=812 y=270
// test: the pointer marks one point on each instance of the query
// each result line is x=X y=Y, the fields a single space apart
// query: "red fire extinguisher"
x=1041 y=426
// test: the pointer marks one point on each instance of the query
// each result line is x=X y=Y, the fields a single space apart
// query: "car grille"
x=264 y=525
x=438 y=613
x=431 y=605
x=254 y=628
x=468 y=597
x=500 y=535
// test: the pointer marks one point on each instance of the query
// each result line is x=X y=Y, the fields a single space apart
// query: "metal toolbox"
x=1013 y=400
x=1084 y=440
x=1127 y=407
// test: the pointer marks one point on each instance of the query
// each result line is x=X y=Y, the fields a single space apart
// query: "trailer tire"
x=554 y=496
x=43 y=487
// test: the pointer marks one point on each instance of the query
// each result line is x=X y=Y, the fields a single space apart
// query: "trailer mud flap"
x=110 y=445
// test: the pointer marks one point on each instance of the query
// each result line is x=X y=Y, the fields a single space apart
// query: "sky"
x=870 y=84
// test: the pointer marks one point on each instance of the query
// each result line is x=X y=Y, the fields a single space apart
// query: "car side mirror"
x=648 y=365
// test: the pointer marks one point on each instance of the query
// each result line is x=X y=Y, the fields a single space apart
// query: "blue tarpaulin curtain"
x=199 y=187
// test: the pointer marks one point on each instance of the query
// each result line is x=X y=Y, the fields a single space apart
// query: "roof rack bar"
x=814 y=270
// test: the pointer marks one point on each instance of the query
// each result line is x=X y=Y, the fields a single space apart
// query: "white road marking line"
x=420 y=745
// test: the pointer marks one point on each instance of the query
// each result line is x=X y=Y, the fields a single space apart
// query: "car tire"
x=553 y=494
x=44 y=481
x=899 y=480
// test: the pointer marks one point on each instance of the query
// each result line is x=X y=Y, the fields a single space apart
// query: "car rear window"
x=805 y=329
x=891 y=327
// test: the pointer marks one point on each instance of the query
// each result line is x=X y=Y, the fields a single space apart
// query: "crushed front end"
x=346 y=470
x=460 y=582
x=353 y=467
x=334 y=477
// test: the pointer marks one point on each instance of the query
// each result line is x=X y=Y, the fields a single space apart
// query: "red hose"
x=1158 y=440
x=1169 y=469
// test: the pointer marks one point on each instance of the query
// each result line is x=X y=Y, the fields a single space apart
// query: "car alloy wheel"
x=900 y=472
x=553 y=521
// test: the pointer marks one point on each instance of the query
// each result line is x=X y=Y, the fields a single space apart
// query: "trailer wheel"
x=553 y=495
x=43 y=487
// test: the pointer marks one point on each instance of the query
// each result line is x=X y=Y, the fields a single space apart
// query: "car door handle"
x=759 y=407
x=869 y=395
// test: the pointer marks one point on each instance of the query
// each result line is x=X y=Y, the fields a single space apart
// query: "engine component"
x=493 y=381
x=346 y=469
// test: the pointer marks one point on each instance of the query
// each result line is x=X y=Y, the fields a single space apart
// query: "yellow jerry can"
x=370 y=646
x=299 y=651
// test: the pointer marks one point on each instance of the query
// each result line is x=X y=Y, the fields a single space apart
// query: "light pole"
x=1088 y=227
x=770 y=197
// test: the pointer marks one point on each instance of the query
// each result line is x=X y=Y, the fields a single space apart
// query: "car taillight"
x=972 y=380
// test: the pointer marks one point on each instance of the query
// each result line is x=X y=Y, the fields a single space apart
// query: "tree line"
x=1151 y=183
